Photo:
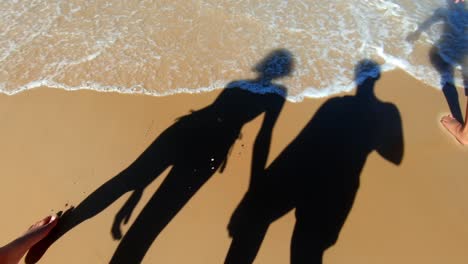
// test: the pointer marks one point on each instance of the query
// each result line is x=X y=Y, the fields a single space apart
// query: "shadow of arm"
x=262 y=143
x=392 y=145
x=125 y=213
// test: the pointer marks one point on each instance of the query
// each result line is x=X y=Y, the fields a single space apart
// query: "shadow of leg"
x=175 y=191
x=261 y=206
x=245 y=244
x=137 y=176
x=91 y=206
x=305 y=246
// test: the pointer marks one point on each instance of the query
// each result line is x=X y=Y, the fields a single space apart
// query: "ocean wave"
x=142 y=47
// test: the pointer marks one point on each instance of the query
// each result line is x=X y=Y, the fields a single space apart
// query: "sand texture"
x=58 y=147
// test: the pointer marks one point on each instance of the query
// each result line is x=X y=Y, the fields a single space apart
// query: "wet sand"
x=57 y=147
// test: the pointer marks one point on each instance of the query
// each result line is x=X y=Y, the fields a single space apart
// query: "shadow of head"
x=277 y=64
x=366 y=73
x=366 y=70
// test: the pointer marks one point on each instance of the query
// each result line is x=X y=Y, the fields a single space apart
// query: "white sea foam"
x=162 y=48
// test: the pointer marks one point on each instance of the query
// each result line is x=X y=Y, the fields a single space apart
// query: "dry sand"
x=57 y=147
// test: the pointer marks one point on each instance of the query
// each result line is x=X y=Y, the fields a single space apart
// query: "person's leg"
x=14 y=251
x=459 y=129
x=446 y=71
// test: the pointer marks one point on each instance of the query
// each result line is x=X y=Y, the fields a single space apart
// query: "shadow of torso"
x=204 y=137
x=319 y=171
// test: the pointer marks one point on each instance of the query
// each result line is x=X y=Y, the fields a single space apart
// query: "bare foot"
x=455 y=128
x=14 y=251
x=38 y=250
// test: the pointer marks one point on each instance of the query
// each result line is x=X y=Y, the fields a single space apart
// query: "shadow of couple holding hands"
x=317 y=174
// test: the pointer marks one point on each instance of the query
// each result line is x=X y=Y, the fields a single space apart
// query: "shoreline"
x=142 y=91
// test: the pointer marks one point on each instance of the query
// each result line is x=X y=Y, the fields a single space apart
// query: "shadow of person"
x=450 y=50
x=196 y=146
x=318 y=173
